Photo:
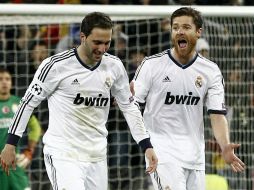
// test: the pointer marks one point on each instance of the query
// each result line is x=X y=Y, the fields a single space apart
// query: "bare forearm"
x=220 y=129
x=221 y=133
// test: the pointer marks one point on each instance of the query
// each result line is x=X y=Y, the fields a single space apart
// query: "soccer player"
x=176 y=84
x=77 y=84
x=17 y=179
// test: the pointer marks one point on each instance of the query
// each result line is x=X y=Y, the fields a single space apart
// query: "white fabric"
x=170 y=176
x=79 y=101
x=175 y=96
x=73 y=174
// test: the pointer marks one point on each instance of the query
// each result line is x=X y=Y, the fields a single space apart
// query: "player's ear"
x=82 y=36
x=199 y=31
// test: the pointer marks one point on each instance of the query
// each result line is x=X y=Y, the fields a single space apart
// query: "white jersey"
x=79 y=101
x=175 y=95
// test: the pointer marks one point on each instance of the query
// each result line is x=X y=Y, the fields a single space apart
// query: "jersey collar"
x=179 y=64
x=83 y=64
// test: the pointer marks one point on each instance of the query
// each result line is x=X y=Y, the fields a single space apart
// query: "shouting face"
x=184 y=35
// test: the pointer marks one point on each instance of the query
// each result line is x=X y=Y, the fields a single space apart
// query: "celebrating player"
x=17 y=178
x=175 y=85
x=77 y=84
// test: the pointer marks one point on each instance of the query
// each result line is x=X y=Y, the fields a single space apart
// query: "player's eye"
x=175 y=28
x=187 y=27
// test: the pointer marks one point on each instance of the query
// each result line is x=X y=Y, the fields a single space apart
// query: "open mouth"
x=98 y=55
x=182 y=43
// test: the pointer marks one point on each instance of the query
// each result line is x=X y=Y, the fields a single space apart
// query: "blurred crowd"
x=138 y=2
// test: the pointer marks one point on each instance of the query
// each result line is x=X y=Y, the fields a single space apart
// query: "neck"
x=5 y=96
x=183 y=59
x=84 y=58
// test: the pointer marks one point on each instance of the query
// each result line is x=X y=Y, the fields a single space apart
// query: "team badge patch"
x=108 y=82
x=167 y=188
x=131 y=99
x=36 y=89
x=198 y=82
x=5 y=109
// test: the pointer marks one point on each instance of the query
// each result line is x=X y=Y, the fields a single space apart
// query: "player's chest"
x=8 y=109
x=89 y=83
x=180 y=81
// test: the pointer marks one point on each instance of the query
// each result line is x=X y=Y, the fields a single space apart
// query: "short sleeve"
x=215 y=99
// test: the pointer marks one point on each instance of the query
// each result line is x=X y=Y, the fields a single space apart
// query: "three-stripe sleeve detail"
x=53 y=171
x=137 y=104
x=19 y=113
x=45 y=70
x=139 y=68
x=158 y=181
x=147 y=58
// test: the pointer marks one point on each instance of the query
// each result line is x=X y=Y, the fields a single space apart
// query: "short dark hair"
x=188 y=11
x=95 y=20
x=4 y=70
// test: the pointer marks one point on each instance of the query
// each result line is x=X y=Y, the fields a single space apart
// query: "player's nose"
x=180 y=31
x=102 y=48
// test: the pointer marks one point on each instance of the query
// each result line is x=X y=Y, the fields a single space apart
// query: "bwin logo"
x=181 y=99
x=91 y=101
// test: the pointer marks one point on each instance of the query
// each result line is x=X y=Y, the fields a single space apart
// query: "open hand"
x=230 y=158
x=8 y=158
x=152 y=159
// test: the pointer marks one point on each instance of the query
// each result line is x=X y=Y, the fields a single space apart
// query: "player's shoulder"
x=63 y=55
x=111 y=58
x=206 y=61
x=59 y=57
x=52 y=65
x=155 y=59
x=158 y=56
x=208 y=64
x=112 y=61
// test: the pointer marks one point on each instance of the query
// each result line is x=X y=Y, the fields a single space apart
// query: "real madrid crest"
x=198 y=82
x=108 y=82
x=5 y=109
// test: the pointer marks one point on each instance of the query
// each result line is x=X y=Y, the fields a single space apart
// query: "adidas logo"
x=166 y=79
x=75 y=82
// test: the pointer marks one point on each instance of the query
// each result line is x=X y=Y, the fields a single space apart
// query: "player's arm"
x=141 y=83
x=132 y=114
x=44 y=82
x=34 y=133
x=217 y=110
x=221 y=133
